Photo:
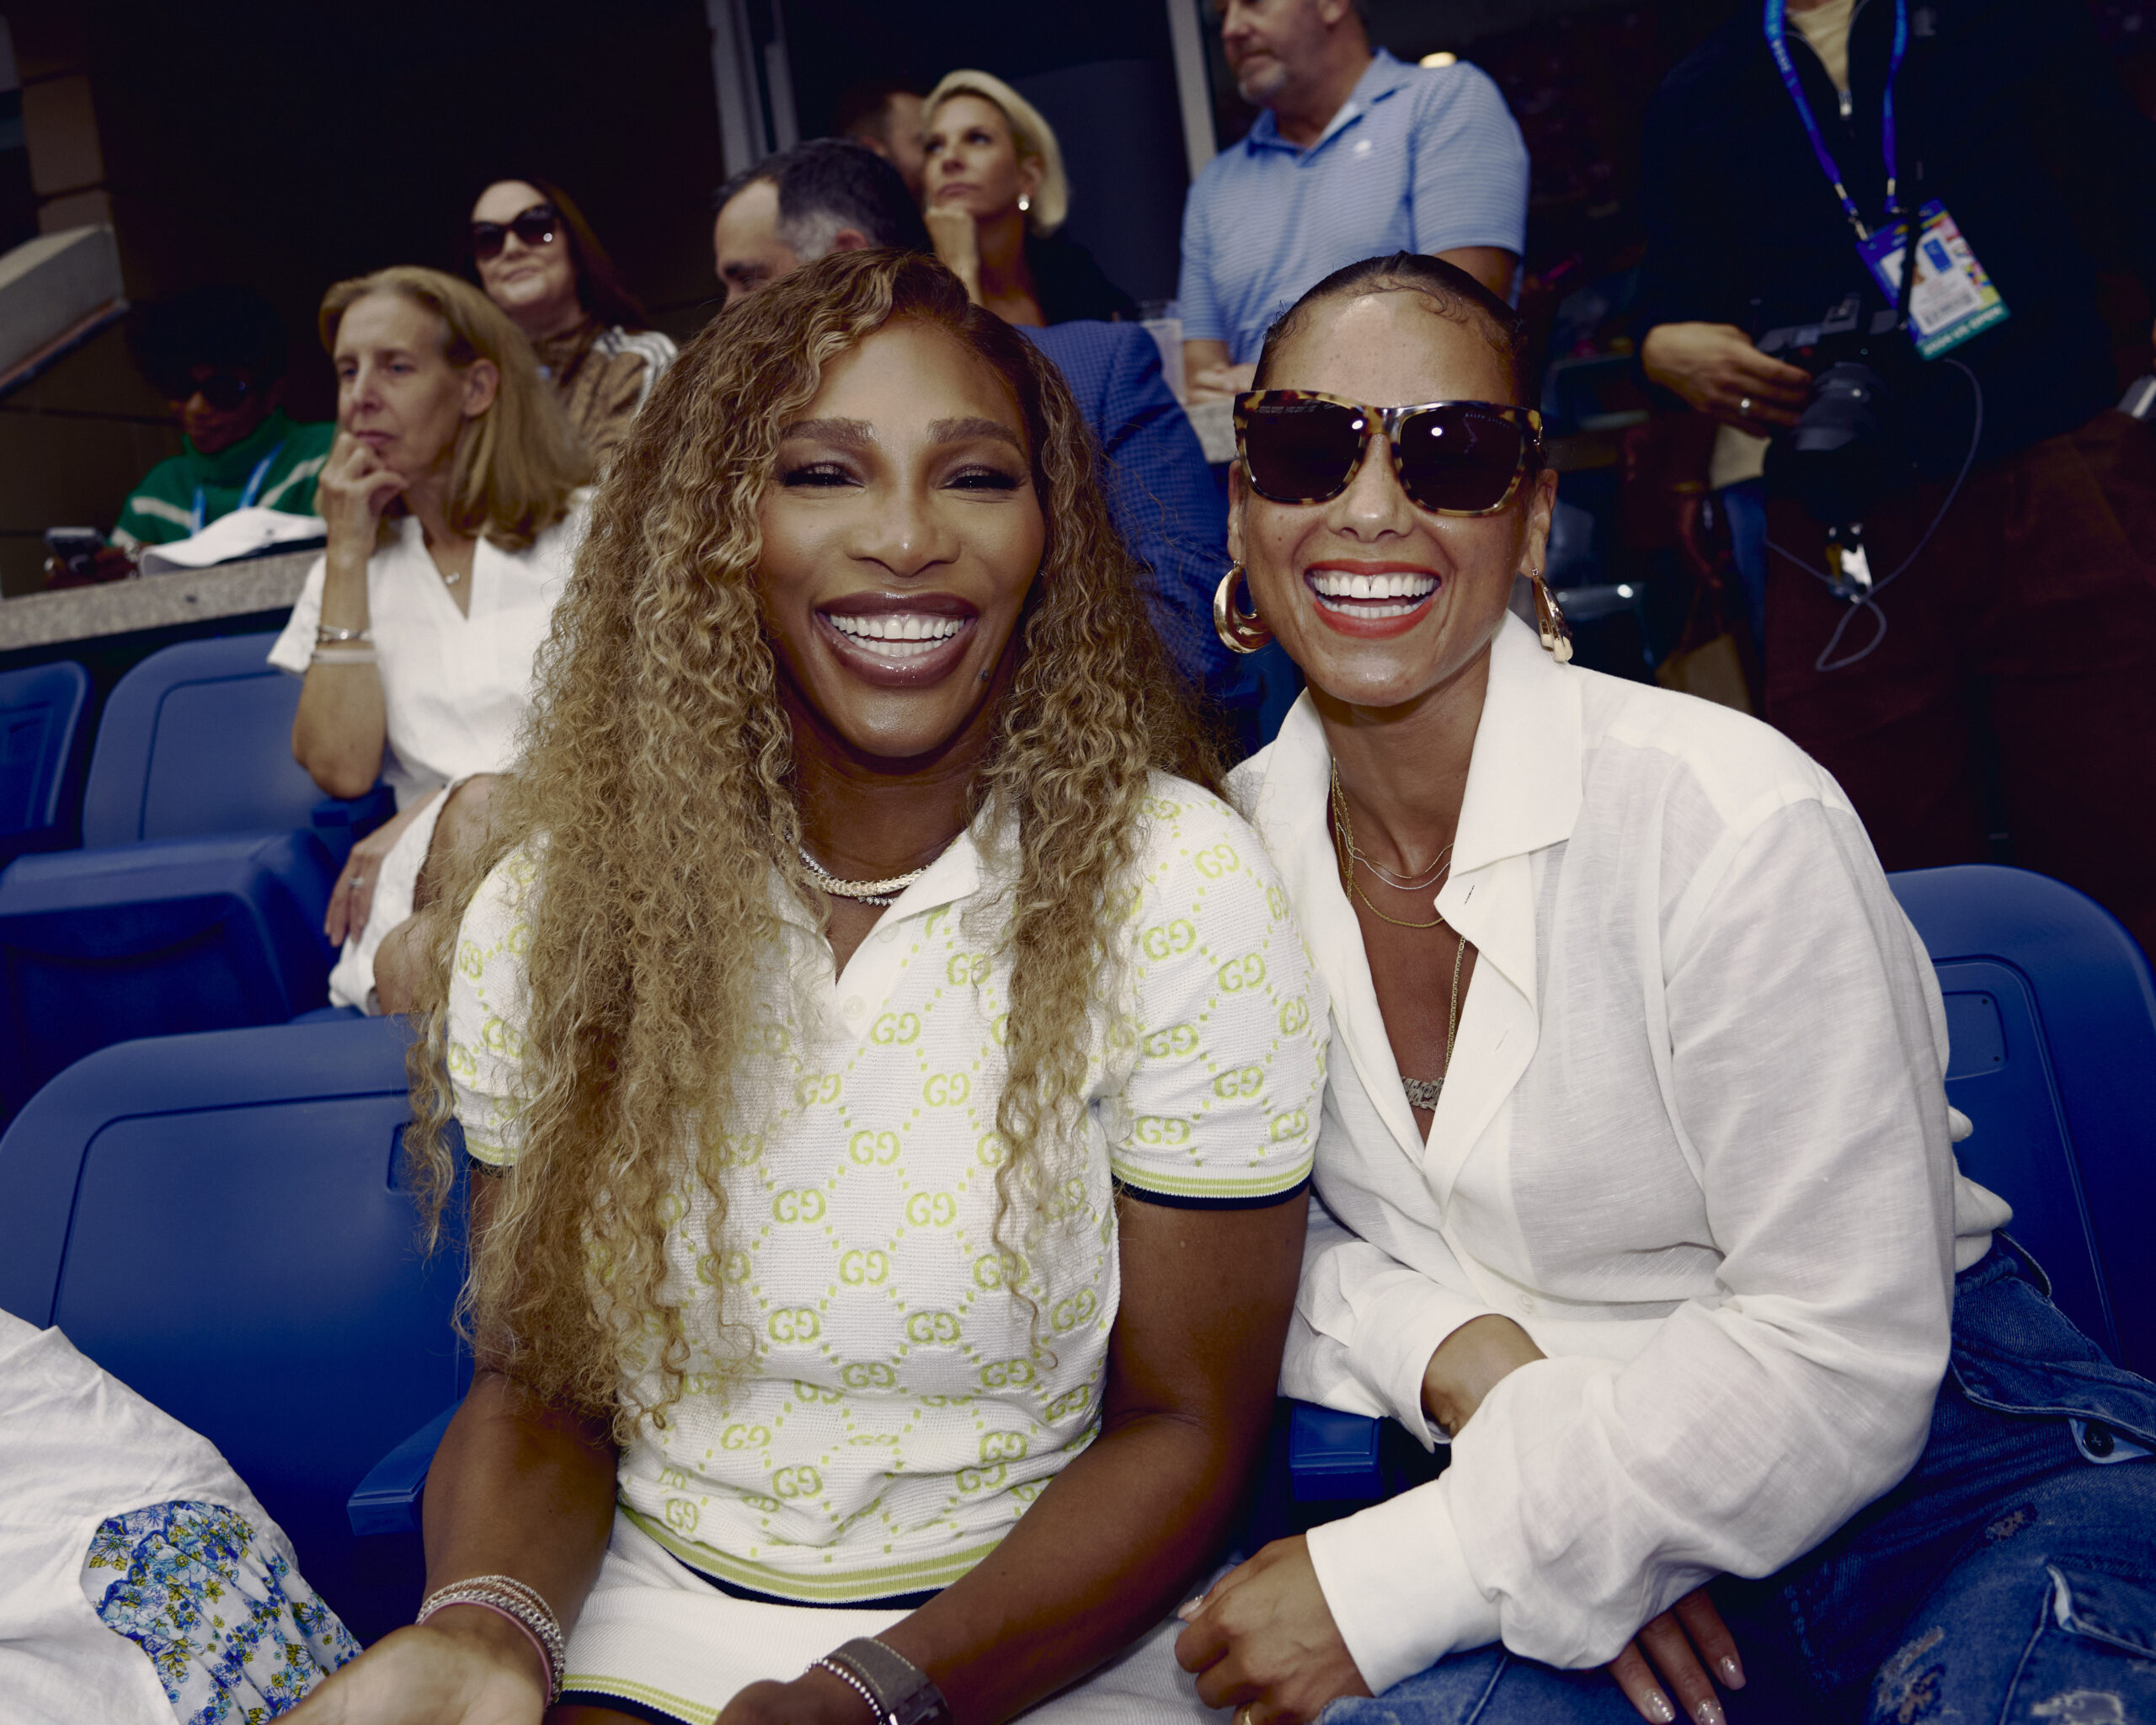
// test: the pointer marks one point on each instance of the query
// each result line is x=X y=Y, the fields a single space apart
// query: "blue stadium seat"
x=197 y=739
x=98 y=947
x=199 y=905
x=221 y=1222
x=40 y=713
x=2052 y=1015
x=2051 y=1018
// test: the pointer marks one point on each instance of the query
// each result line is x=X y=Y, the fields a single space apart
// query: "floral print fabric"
x=236 y=1636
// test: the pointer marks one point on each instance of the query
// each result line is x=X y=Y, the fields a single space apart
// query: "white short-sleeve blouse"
x=456 y=687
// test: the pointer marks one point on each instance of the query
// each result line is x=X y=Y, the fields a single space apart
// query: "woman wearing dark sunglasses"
x=530 y=248
x=1636 y=1166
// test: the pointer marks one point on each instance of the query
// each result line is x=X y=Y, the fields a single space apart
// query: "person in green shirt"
x=217 y=355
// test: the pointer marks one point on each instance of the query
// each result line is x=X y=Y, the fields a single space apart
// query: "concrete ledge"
x=153 y=602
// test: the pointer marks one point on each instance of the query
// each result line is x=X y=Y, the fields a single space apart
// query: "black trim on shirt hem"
x=621 y=1704
x=733 y=1590
x=1176 y=1200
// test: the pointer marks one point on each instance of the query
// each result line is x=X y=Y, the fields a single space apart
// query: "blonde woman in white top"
x=452 y=504
x=1636 y=1166
x=891 y=1075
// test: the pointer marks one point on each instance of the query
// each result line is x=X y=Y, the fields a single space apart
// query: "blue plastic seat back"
x=40 y=711
x=221 y=1221
x=2051 y=1014
x=99 y=947
x=198 y=738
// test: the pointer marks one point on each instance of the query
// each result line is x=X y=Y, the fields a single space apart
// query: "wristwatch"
x=901 y=1691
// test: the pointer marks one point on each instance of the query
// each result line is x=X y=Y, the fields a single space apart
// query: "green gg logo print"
x=1217 y=860
x=1164 y=940
x=877 y=1148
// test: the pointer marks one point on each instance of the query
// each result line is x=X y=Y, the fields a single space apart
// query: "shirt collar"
x=1523 y=776
x=1383 y=76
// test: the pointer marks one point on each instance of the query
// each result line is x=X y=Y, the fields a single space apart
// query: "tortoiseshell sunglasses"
x=1451 y=457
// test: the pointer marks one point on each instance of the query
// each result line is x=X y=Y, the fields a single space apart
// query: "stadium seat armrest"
x=387 y=1500
x=1333 y=1456
x=342 y=822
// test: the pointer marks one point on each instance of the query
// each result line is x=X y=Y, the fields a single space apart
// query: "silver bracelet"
x=344 y=655
x=326 y=636
x=523 y=1605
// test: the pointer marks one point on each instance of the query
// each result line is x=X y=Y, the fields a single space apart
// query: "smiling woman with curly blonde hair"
x=892 y=1071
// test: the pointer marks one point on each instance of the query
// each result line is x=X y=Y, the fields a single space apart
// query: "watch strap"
x=901 y=1692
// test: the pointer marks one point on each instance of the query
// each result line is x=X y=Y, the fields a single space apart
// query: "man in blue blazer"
x=828 y=196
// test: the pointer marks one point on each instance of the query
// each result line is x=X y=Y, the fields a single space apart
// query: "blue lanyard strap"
x=1778 y=45
x=248 y=492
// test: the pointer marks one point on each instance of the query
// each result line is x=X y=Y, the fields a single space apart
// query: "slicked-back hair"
x=1451 y=293
x=830 y=184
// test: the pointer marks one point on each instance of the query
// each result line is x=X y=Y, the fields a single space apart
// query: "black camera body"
x=1846 y=453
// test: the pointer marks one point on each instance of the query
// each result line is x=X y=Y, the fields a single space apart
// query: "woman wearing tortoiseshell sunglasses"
x=1636 y=1166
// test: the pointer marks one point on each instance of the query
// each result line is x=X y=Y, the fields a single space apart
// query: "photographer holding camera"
x=1961 y=526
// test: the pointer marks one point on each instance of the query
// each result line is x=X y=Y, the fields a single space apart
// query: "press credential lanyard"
x=1778 y=45
x=1951 y=298
x=248 y=492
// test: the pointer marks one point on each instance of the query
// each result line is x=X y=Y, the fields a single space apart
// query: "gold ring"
x=1243 y=1713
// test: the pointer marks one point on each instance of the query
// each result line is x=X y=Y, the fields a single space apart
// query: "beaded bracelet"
x=854 y=1684
x=505 y=1596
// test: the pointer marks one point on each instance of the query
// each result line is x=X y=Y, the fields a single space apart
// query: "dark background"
x=290 y=146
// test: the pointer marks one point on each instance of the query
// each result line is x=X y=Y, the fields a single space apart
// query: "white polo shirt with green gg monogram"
x=901 y=1407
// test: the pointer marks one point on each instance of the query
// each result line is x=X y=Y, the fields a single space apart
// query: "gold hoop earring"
x=1550 y=620
x=1239 y=631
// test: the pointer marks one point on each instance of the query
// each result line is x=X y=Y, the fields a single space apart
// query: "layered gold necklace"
x=1422 y=1092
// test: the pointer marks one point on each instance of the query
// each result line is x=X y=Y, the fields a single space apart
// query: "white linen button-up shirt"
x=1695 y=1141
x=455 y=687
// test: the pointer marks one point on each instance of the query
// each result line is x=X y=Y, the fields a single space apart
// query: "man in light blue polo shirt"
x=1355 y=156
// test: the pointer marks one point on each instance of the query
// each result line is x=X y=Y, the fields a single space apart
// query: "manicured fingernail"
x=1659 y=1710
x=1732 y=1674
x=1709 y=1713
x=1190 y=1608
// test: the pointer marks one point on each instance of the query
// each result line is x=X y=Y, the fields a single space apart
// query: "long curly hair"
x=655 y=798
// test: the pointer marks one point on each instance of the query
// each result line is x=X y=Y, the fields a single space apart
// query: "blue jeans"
x=2011 y=1577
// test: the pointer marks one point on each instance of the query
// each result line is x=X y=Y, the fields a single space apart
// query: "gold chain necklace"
x=1422 y=1092
x=1344 y=834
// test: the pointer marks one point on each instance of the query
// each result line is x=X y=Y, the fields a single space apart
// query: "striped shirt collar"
x=1383 y=76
